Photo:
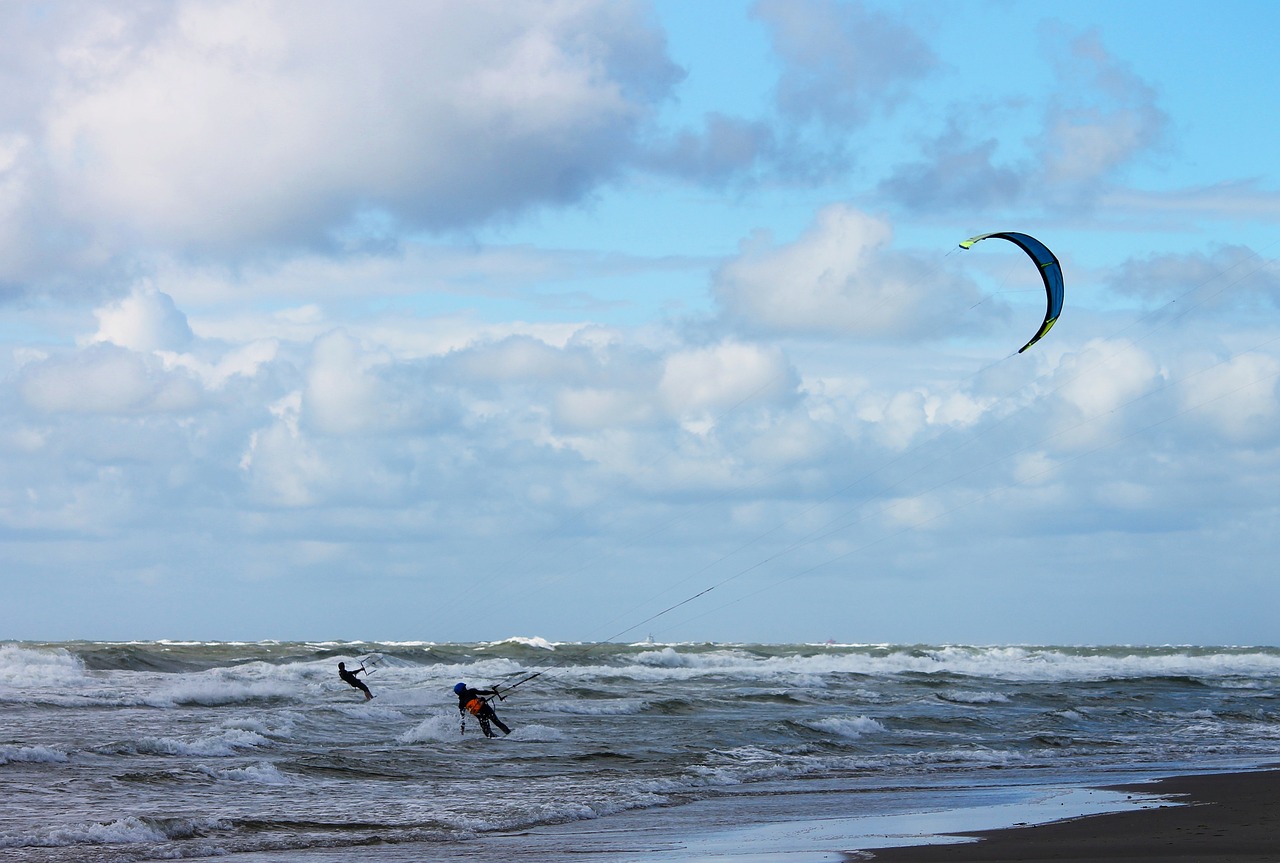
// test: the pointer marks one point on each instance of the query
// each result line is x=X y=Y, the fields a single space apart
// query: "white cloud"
x=585 y=409
x=145 y=321
x=1229 y=276
x=1097 y=381
x=107 y=380
x=344 y=394
x=842 y=60
x=1237 y=399
x=840 y=277
x=283 y=466
x=1102 y=120
x=226 y=126
x=710 y=380
x=1104 y=124
x=243 y=361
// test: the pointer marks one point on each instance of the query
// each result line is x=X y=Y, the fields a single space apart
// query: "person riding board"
x=350 y=677
x=476 y=702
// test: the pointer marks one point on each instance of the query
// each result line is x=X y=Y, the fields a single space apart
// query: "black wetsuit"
x=484 y=712
x=350 y=677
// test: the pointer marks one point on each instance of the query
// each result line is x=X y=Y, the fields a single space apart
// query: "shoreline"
x=1222 y=818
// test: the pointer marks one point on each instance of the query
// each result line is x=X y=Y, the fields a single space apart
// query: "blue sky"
x=438 y=321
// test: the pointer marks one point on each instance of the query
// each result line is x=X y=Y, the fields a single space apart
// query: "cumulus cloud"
x=107 y=380
x=344 y=394
x=233 y=125
x=716 y=378
x=840 y=277
x=1237 y=399
x=146 y=320
x=1102 y=376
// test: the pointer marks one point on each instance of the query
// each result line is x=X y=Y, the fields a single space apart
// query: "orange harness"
x=475 y=705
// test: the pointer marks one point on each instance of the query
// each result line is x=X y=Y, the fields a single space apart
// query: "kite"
x=1050 y=271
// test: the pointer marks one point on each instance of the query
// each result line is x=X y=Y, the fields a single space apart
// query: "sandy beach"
x=1227 y=818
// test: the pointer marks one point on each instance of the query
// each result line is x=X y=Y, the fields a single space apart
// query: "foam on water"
x=128 y=830
x=225 y=743
x=852 y=727
x=31 y=755
x=440 y=728
x=261 y=773
x=539 y=643
x=56 y=668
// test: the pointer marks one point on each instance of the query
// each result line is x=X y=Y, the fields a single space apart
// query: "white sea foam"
x=1020 y=664
x=282 y=729
x=48 y=668
x=851 y=727
x=442 y=727
x=228 y=742
x=540 y=643
x=961 y=696
x=261 y=773
x=123 y=831
x=31 y=755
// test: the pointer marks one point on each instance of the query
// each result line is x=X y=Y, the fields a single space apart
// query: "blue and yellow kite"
x=1050 y=271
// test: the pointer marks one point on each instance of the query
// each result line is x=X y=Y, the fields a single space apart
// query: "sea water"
x=162 y=750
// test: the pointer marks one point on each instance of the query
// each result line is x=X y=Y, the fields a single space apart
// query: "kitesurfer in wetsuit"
x=350 y=677
x=473 y=701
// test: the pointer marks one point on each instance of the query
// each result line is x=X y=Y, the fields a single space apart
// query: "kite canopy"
x=1050 y=271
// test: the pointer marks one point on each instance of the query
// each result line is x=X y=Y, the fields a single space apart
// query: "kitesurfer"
x=350 y=677
x=476 y=702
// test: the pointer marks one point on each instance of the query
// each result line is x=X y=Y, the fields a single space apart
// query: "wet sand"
x=1227 y=818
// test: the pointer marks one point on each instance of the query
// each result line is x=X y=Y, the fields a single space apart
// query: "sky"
x=578 y=320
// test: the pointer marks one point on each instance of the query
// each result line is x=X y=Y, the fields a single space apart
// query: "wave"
x=850 y=727
x=813 y=667
x=74 y=661
x=32 y=755
x=261 y=773
x=434 y=729
x=967 y=697
x=123 y=831
x=52 y=666
x=224 y=744
x=524 y=641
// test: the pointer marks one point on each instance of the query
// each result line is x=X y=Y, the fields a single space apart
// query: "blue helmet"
x=458 y=689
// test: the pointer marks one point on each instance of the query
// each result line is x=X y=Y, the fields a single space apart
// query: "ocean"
x=645 y=752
